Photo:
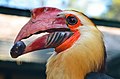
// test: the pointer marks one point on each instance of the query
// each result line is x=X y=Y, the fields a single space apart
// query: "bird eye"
x=71 y=20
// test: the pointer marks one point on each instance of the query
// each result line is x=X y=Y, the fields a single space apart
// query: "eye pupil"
x=72 y=20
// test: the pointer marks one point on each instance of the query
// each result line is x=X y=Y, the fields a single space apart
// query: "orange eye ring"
x=73 y=22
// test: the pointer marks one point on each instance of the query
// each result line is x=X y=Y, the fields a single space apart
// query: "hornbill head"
x=74 y=36
x=61 y=26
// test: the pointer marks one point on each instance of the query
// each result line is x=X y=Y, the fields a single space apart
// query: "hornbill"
x=79 y=47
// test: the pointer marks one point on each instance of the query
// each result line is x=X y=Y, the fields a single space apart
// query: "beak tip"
x=17 y=49
x=14 y=55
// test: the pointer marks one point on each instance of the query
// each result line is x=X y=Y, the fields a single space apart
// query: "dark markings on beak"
x=57 y=38
x=17 y=49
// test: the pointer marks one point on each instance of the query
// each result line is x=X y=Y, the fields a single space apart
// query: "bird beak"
x=43 y=20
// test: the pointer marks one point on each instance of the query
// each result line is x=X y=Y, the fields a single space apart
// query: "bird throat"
x=68 y=43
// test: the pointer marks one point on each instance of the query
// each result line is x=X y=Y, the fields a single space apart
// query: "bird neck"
x=86 y=55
